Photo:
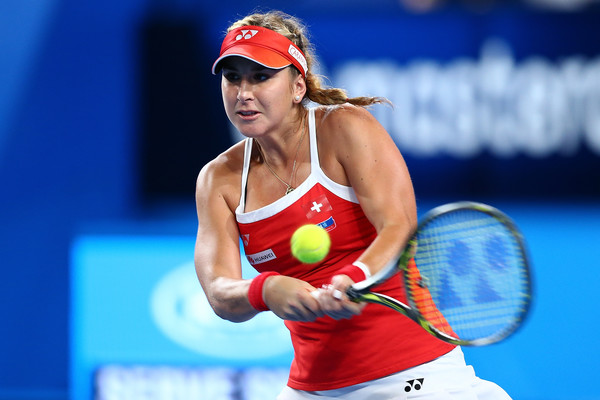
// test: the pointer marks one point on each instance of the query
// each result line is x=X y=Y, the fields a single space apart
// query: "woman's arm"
x=217 y=255
x=217 y=252
x=365 y=157
x=377 y=172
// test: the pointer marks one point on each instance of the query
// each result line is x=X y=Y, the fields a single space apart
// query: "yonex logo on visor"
x=246 y=34
x=263 y=46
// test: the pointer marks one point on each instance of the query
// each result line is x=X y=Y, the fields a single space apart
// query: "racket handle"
x=352 y=293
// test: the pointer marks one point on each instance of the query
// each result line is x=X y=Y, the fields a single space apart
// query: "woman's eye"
x=261 y=77
x=231 y=76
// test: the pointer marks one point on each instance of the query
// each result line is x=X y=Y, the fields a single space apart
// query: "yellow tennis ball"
x=310 y=244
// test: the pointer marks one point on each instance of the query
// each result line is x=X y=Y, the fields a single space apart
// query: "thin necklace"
x=289 y=187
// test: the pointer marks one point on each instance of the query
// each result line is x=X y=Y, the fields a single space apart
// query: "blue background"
x=108 y=111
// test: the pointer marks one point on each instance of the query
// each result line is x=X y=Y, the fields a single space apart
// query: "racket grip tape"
x=352 y=293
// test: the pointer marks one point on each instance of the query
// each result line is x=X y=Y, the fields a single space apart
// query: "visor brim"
x=260 y=55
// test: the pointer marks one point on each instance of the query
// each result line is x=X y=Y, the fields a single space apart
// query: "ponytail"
x=331 y=96
x=294 y=29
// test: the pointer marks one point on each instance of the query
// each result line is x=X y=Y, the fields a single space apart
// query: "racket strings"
x=471 y=278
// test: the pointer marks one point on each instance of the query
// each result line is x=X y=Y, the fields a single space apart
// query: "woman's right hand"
x=333 y=300
x=290 y=299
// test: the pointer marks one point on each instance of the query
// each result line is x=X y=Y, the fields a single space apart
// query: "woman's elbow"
x=230 y=308
x=231 y=314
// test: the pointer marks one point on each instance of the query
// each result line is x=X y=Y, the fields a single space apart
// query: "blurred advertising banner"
x=497 y=100
x=140 y=322
x=502 y=102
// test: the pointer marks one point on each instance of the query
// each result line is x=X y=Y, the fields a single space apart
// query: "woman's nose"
x=244 y=91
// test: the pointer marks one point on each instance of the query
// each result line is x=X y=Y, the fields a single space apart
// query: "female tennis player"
x=332 y=165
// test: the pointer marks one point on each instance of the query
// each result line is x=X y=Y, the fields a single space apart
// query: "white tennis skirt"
x=445 y=378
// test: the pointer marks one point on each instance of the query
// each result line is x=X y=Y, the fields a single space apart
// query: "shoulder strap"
x=245 y=169
x=312 y=134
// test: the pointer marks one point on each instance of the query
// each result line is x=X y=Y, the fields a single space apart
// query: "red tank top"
x=330 y=354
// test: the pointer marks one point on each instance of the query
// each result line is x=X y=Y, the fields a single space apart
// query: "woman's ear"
x=299 y=88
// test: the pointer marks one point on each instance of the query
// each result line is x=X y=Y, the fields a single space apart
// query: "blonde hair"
x=293 y=29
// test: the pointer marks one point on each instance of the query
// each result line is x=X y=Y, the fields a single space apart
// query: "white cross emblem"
x=316 y=206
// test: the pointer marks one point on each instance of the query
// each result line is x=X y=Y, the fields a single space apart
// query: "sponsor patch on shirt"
x=261 y=257
x=328 y=224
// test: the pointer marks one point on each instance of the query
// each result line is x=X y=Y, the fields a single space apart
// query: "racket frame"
x=360 y=291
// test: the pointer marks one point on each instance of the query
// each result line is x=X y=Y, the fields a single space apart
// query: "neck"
x=283 y=168
x=281 y=149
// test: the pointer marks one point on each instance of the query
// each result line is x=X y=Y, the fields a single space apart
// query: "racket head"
x=469 y=277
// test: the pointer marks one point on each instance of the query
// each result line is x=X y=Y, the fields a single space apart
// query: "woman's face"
x=257 y=99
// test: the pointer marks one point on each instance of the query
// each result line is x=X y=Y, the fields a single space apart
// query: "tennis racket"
x=466 y=275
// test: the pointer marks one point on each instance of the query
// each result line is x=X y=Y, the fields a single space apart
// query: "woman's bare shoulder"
x=344 y=119
x=347 y=125
x=341 y=111
x=222 y=175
